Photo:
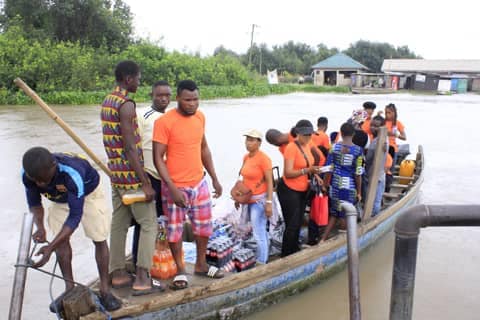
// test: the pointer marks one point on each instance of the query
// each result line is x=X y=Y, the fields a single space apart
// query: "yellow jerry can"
x=407 y=167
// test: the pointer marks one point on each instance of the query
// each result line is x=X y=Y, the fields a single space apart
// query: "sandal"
x=156 y=287
x=125 y=284
x=179 y=282
x=212 y=272
x=110 y=302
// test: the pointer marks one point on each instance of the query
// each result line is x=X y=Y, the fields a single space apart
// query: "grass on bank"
x=142 y=95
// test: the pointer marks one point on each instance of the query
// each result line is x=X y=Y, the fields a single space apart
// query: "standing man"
x=369 y=107
x=180 y=136
x=122 y=143
x=161 y=93
x=74 y=188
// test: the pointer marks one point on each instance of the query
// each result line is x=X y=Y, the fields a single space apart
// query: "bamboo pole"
x=19 y=280
x=377 y=167
x=32 y=94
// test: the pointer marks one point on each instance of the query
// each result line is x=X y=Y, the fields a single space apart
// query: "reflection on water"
x=445 y=125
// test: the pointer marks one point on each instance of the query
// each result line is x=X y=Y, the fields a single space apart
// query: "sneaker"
x=110 y=302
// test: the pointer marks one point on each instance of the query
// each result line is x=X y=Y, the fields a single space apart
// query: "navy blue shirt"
x=74 y=179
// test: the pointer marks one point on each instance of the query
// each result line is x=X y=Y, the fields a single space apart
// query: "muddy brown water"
x=447 y=127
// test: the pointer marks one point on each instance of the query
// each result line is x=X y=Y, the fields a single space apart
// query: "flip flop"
x=109 y=301
x=212 y=273
x=124 y=284
x=179 y=278
x=155 y=288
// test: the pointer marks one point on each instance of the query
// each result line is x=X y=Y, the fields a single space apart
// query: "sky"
x=432 y=29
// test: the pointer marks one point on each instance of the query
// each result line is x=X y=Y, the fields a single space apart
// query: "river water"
x=447 y=271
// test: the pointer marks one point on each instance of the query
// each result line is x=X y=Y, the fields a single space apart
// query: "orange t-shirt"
x=321 y=139
x=311 y=145
x=253 y=172
x=183 y=136
x=292 y=152
x=392 y=140
x=366 y=128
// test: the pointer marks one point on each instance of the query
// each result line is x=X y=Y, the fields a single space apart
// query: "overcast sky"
x=432 y=29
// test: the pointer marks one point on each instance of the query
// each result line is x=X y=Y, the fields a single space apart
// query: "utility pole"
x=251 y=44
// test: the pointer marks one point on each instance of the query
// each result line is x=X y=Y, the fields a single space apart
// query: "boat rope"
x=96 y=298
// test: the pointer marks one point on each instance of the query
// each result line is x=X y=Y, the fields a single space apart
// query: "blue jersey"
x=74 y=179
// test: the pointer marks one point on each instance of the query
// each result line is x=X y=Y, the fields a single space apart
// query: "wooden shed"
x=336 y=70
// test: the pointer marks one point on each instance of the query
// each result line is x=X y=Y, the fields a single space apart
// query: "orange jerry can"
x=407 y=168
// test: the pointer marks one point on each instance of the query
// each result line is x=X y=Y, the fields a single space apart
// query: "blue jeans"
x=377 y=204
x=259 y=226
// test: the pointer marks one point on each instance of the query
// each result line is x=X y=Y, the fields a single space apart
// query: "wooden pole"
x=18 y=290
x=377 y=166
x=29 y=92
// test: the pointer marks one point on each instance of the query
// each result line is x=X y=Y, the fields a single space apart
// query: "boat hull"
x=246 y=292
x=234 y=305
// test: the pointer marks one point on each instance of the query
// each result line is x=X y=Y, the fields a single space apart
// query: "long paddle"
x=29 y=92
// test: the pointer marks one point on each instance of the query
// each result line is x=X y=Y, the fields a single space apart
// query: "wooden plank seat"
x=390 y=195
x=400 y=186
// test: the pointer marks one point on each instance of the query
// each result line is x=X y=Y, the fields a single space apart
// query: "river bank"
x=255 y=89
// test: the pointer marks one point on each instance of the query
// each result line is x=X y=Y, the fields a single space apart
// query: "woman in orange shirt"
x=256 y=172
x=292 y=188
x=395 y=129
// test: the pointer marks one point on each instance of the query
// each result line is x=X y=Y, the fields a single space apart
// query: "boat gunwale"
x=245 y=279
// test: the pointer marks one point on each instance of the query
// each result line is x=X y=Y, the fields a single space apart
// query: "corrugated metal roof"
x=339 y=61
x=422 y=65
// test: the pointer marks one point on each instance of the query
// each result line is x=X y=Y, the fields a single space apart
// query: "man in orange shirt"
x=179 y=136
x=321 y=139
x=369 y=107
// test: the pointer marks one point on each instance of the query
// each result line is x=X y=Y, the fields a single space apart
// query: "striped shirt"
x=123 y=175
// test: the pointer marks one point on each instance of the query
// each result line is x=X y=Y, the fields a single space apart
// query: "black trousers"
x=293 y=208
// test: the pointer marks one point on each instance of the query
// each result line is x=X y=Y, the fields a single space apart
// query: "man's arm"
x=159 y=150
x=127 y=116
x=75 y=205
x=208 y=164
x=40 y=235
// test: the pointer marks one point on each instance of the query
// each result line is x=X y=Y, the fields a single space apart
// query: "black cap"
x=304 y=127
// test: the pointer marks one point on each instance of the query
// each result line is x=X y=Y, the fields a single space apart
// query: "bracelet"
x=268 y=201
x=303 y=171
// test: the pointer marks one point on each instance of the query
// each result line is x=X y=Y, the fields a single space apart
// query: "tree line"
x=73 y=45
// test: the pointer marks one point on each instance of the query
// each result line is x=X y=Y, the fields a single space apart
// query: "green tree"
x=372 y=54
x=92 y=22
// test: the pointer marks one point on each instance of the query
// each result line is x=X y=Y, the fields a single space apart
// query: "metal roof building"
x=432 y=66
x=336 y=70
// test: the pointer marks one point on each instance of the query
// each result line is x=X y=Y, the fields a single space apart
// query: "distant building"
x=436 y=75
x=336 y=70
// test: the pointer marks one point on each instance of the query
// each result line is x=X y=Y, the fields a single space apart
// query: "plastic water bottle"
x=128 y=199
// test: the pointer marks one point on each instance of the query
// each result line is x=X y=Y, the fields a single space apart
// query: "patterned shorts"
x=198 y=209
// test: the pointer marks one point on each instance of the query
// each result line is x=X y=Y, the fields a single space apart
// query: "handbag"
x=240 y=192
x=319 y=209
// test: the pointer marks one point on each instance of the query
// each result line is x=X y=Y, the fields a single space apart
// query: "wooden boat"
x=242 y=293
x=372 y=90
